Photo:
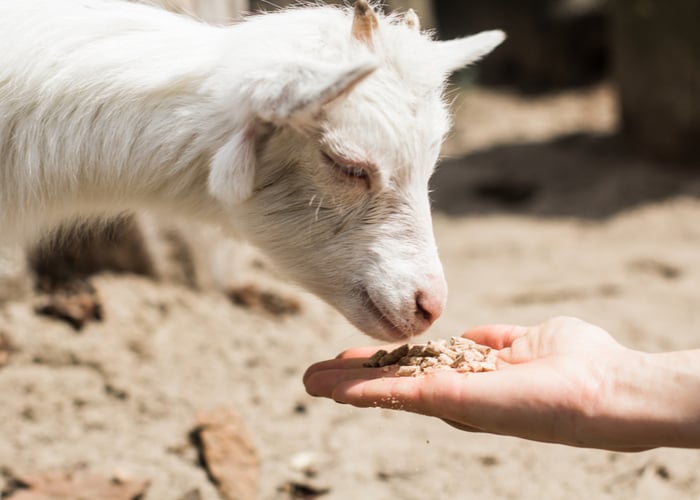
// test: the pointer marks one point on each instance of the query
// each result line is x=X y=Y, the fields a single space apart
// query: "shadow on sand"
x=584 y=176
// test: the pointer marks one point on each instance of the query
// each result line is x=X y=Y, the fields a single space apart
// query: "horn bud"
x=364 y=23
x=410 y=19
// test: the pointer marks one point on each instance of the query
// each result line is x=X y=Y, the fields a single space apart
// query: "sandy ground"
x=538 y=213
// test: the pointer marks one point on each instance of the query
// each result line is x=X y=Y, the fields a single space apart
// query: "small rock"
x=663 y=472
x=228 y=453
x=252 y=297
x=488 y=460
x=7 y=347
x=191 y=495
x=74 y=301
x=303 y=491
x=305 y=462
x=76 y=486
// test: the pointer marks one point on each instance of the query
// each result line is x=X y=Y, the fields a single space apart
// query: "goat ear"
x=232 y=171
x=410 y=19
x=364 y=23
x=305 y=89
x=455 y=54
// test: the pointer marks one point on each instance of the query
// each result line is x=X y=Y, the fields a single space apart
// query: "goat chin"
x=312 y=132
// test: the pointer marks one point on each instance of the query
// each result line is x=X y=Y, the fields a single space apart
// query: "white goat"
x=312 y=132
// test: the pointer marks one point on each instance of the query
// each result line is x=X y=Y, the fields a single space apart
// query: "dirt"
x=596 y=233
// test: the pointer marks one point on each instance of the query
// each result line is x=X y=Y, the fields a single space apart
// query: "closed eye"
x=347 y=170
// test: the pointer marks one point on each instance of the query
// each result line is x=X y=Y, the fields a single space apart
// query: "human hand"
x=553 y=383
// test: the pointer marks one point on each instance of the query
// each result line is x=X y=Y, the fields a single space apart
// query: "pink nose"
x=430 y=302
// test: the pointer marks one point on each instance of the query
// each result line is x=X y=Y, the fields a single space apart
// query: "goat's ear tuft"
x=300 y=100
x=455 y=54
x=232 y=170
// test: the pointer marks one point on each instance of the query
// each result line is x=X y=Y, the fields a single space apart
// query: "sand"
x=530 y=225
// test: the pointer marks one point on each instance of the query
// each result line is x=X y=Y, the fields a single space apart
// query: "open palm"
x=548 y=378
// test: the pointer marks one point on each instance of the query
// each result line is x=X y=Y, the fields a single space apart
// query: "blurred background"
x=648 y=48
x=155 y=359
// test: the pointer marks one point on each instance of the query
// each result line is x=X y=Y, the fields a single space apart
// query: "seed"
x=395 y=355
x=456 y=353
x=416 y=350
x=405 y=371
x=445 y=359
x=373 y=362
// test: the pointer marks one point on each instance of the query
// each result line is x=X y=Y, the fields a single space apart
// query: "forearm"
x=649 y=401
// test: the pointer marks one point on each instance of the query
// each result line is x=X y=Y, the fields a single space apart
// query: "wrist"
x=647 y=401
x=675 y=408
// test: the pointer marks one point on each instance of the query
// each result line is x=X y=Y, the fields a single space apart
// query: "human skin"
x=564 y=381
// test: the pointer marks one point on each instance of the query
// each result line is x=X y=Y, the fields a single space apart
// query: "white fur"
x=108 y=106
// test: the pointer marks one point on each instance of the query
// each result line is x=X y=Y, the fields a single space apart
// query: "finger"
x=447 y=395
x=334 y=364
x=496 y=336
x=395 y=393
x=322 y=383
x=352 y=358
x=461 y=426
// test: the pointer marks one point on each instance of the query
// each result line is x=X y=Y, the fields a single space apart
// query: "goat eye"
x=351 y=172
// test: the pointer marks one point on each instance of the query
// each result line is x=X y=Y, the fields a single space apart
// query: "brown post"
x=656 y=50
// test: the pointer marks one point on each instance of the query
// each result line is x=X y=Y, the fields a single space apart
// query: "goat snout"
x=430 y=302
